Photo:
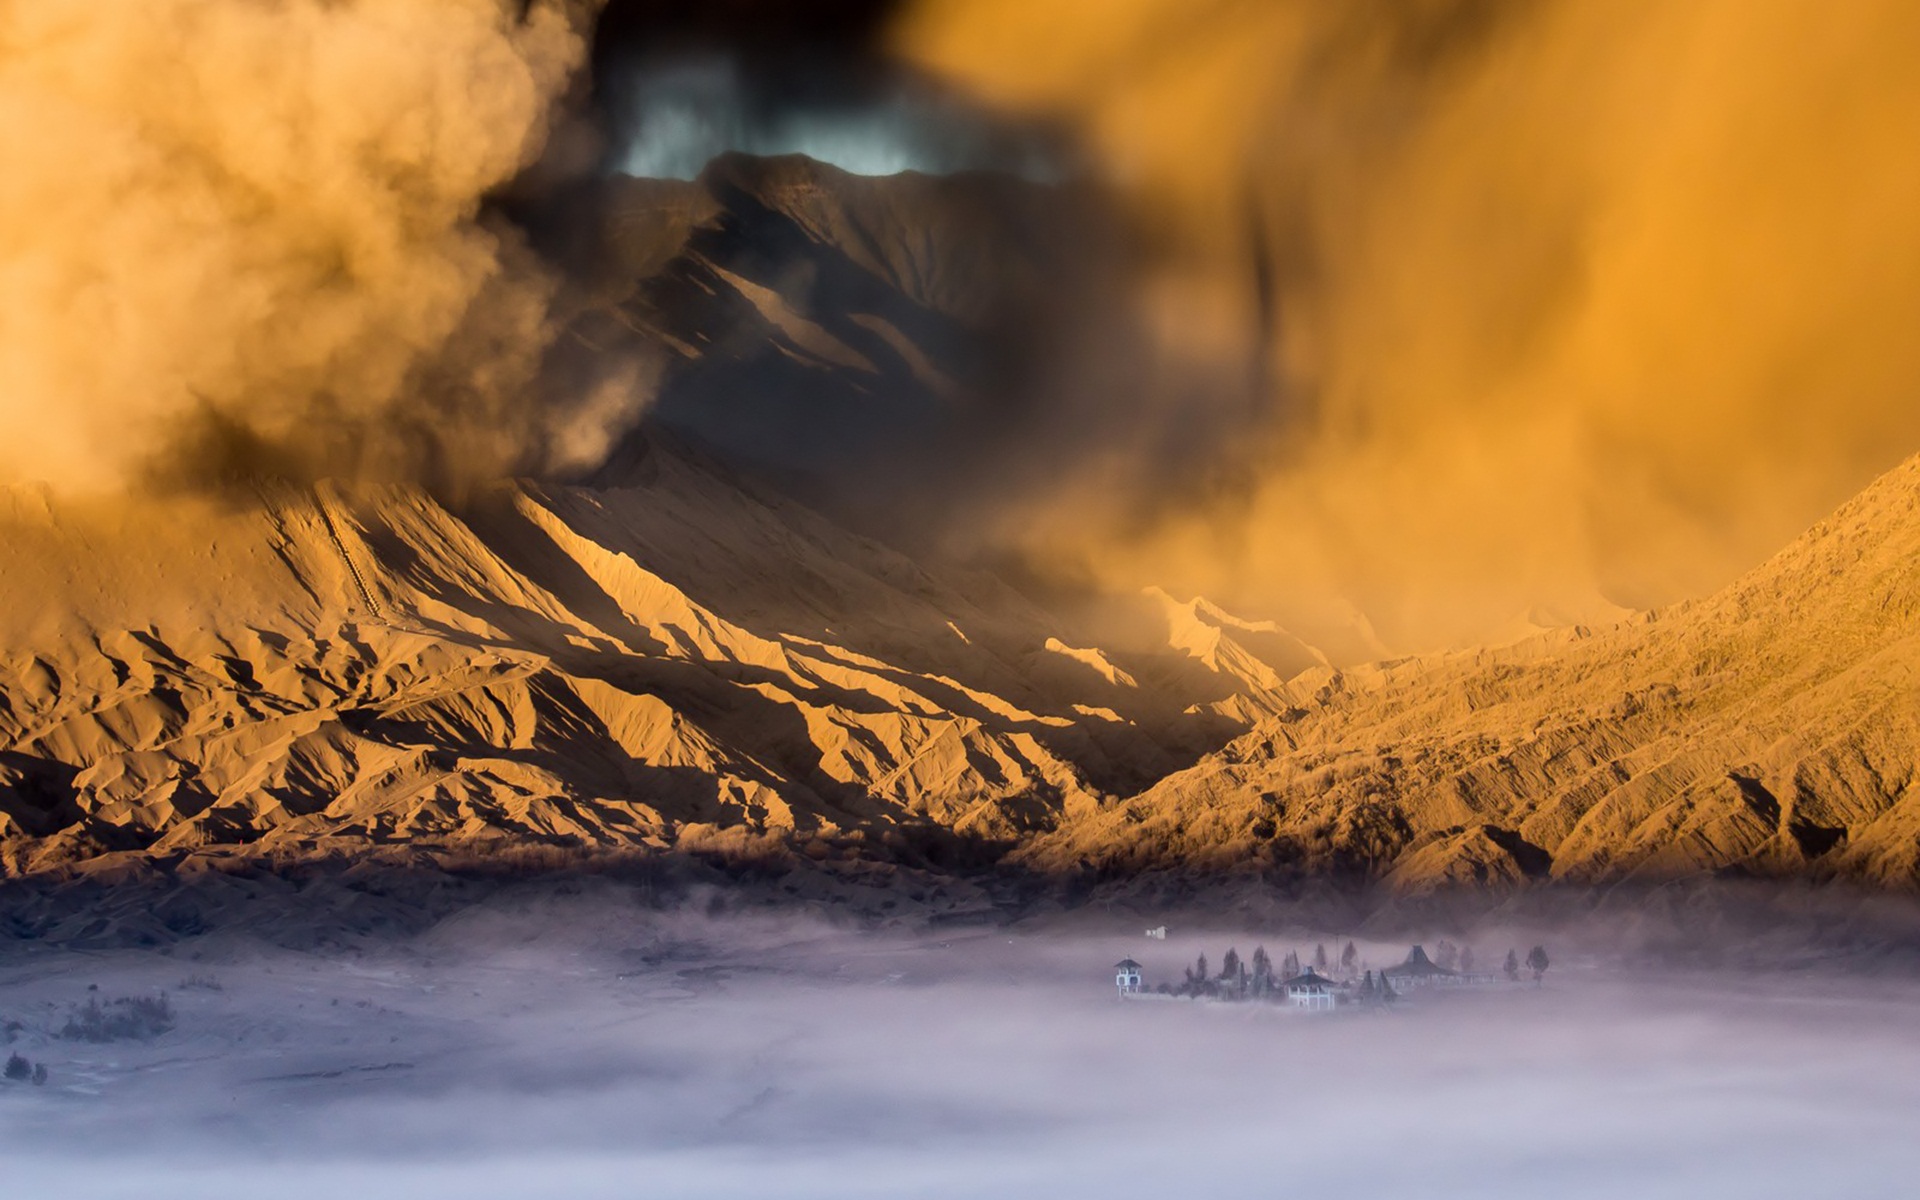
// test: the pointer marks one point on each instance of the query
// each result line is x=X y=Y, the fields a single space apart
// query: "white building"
x=1126 y=977
x=1310 y=990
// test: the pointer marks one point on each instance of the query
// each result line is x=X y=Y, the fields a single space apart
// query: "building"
x=1310 y=990
x=1158 y=933
x=1421 y=971
x=1126 y=977
x=1418 y=971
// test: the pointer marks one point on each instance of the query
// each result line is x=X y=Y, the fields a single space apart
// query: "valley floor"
x=590 y=1049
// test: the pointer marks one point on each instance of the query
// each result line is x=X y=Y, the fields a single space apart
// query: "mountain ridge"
x=551 y=662
x=575 y=667
x=1768 y=730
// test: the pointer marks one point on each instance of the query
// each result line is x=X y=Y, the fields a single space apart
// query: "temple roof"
x=1126 y=964
x=1417 y=964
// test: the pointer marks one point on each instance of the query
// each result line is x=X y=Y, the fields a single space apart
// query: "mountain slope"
x=319 y=672
x=1770 y=730
x=874 y=342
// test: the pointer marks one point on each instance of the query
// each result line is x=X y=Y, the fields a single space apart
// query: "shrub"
x=18 y=1067
x=126 y=1018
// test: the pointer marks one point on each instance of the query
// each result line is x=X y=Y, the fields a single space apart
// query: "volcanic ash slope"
x=344 y=671
x=317 y=672
x=1770 y=730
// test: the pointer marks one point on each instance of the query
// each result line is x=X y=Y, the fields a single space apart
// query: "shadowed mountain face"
x=849 y=334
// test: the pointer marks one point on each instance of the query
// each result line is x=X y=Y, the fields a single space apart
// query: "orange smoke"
x=252 y=230
x=1578 y=303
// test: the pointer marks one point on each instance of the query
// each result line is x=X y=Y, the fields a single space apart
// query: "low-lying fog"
x=591 y=1050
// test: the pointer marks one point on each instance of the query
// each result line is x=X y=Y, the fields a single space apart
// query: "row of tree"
x=1460 y=958
x=1258 y=977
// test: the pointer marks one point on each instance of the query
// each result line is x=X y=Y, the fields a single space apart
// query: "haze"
x=1575 y=302
x=594 y=1048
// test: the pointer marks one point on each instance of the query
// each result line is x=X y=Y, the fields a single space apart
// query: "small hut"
x=1311 y=990
x=1126 y=976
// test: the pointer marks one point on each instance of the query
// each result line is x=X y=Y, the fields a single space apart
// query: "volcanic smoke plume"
x=1567 y=303
x=248 y=236
x=1472 y=315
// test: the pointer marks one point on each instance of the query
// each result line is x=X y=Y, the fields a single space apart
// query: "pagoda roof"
x=1307 y=978
x=1126 y=964
x=1417 y=964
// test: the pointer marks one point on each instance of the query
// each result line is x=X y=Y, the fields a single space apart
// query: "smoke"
x=1562 y=304
x=1466 y=314
x=249 y=235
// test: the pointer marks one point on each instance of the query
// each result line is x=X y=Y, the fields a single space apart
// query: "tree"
x=1320 y=956
x=1466 y=958
x=1349 y=957
x=1446 y=954
x=1290 y=966
x=1262 y=971
x=18 y=1067
x=1512 y=965
x=1233 y=974
x=1537 y=962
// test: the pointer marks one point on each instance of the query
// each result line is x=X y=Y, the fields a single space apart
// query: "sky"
x=680 y=114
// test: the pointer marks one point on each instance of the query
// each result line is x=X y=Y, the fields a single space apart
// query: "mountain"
x=317 y=672
x=1771 y=730
x=826 y=326
x=327 y=673
x=680 y=655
